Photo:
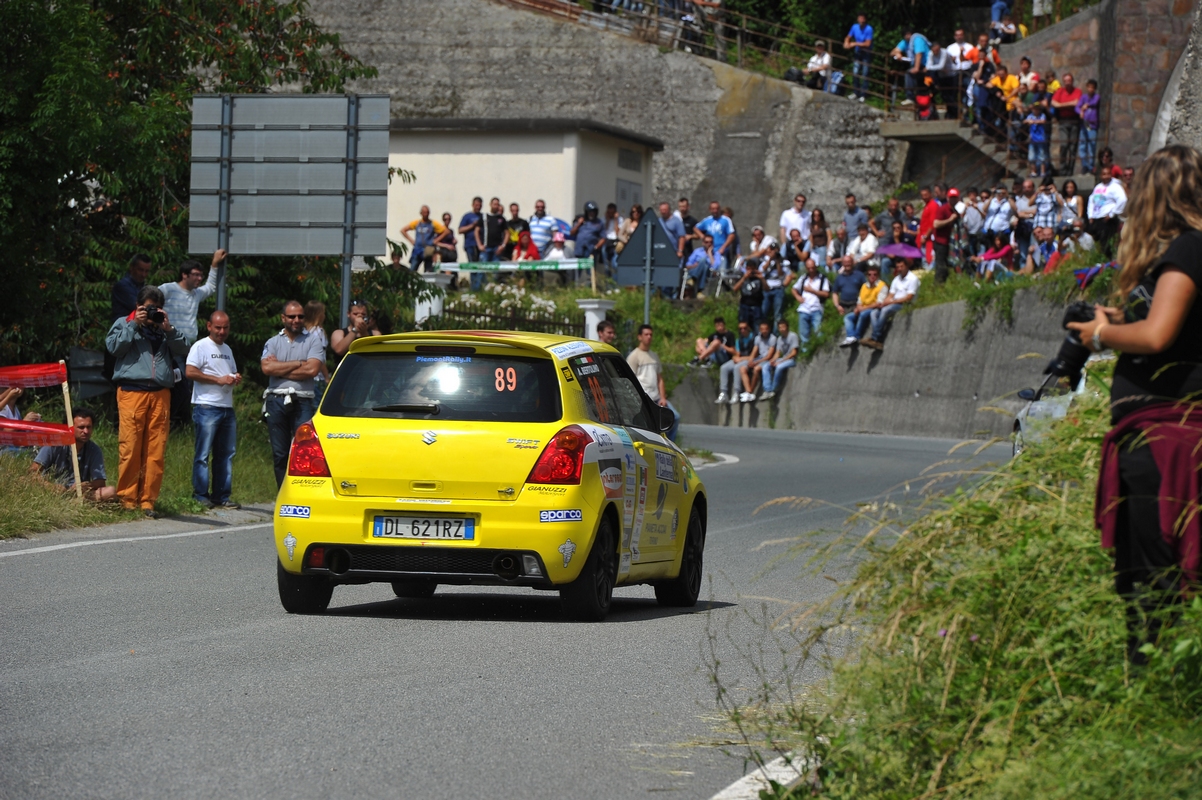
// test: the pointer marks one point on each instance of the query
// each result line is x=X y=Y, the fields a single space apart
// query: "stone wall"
x=1131 y=47
x=1185 y=118
x=1071 y=45
x=1150 y=36
x=933 y=378
x=732 y=135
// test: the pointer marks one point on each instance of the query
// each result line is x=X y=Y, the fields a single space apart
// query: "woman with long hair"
x=820 y=238
x=629 y=226
x=1150 y=478
x=315 y=320
x=1074 y=205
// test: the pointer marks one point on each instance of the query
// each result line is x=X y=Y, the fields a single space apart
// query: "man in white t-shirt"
x=818 y=70
x=795 y=218
x=650 y=373
x=1106 y=204
x=810 y=292
x=903 y=290
x=211 y=368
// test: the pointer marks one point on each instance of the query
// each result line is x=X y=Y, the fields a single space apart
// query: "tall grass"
x=978 y=650
x=31 y=505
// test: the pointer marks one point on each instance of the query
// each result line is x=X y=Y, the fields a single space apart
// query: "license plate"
x=441 y=528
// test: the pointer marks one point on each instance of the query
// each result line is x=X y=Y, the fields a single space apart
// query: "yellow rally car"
x=484 y=457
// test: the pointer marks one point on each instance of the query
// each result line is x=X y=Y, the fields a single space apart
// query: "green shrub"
x=978 y=650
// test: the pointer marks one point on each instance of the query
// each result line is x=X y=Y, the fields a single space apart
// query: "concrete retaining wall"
x=732 y=135
x=933 y=378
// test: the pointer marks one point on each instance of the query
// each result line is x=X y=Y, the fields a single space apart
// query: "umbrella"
x=899 y=250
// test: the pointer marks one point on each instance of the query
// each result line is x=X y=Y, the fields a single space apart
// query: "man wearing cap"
x=943 y=218
x=760 y=242
x=819 y=69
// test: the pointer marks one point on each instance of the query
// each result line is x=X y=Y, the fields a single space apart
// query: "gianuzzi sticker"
x=290 y=544
x=567 y=550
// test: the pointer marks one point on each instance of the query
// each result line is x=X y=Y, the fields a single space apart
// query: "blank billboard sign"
x=289 y=174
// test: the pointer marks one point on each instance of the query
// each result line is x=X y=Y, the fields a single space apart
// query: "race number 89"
x=507 y=379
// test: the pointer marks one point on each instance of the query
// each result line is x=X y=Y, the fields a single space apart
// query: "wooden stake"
x=74 y=448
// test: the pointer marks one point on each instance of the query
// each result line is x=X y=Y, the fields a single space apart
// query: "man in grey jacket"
x=143 y=345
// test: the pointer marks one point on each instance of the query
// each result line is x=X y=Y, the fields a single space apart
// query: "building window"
x=630 y=159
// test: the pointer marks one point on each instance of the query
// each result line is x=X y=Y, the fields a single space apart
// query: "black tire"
x=414 y=589
x=589 y=596
x=683 y=590
x=303 y=594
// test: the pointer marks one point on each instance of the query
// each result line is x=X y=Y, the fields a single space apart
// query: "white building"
x=564 y=162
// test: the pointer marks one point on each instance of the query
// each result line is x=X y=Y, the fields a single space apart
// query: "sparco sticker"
x=561 y=515
x=300 y=512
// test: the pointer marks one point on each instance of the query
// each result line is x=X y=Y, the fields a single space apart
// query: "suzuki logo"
x=429 y=437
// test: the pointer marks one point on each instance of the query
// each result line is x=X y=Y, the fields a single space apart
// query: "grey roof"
x=525 y=124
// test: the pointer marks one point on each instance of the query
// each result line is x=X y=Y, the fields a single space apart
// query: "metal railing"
x=772 y=48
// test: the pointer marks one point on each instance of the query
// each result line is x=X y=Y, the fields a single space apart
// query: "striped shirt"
x=541 y=230
x=182 y=305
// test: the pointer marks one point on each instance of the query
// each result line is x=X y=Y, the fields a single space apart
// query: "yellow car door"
x=657 y=518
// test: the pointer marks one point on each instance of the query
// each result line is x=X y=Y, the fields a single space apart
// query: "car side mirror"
x=666 y=418
x=1026 y=394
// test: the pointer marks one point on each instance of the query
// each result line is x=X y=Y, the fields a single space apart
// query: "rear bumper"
x=447 y=565
x=309 y=514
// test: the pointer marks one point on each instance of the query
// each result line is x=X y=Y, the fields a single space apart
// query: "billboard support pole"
x=223 y=201
x=647 y=279
x=348 y=224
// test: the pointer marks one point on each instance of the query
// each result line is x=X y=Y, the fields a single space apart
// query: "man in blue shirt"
x=859 y=42
x=673 y=227
x=125 y=291
x=589 y=232
x=700 y=262
x=468 y=224
x=721 y=229
x=915 y=47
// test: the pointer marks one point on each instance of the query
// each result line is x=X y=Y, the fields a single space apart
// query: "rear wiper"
x=427 y=408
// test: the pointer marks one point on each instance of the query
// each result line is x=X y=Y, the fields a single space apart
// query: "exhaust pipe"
x=507 y=566
x=338 y=562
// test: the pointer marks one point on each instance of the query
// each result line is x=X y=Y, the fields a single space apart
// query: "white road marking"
x=723 y=458
x=780 y=770
x=88 y=543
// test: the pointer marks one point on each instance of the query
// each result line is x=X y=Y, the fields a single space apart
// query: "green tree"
x=94 y=146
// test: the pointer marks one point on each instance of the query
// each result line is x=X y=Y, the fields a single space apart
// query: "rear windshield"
x=483 y=388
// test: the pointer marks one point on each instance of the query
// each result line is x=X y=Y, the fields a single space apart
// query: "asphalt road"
x=165 y=667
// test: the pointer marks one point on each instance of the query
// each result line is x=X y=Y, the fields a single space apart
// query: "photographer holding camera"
x=144 y=345
x=1150 y=479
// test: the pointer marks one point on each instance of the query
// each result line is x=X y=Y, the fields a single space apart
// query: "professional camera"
x=1071 y=359
x=155 y=314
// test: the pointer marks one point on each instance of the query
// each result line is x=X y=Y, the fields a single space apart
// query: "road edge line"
x=723 y=459
x=784 y=770
x=88 y=543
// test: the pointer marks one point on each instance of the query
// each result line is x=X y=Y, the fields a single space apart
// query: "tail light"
x=307 y=458
x=562 y=460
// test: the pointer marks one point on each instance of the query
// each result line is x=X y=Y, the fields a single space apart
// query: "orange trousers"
x=142 y=446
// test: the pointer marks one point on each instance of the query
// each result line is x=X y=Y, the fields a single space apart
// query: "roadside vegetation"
x=977 y=649
x=32 y=505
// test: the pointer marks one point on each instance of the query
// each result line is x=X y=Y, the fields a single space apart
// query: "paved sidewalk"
x=248 y=515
